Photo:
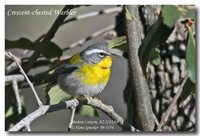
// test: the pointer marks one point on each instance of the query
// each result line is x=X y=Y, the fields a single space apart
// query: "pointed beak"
x=114 y=55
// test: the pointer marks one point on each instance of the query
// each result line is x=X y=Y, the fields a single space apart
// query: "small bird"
x=87 y=72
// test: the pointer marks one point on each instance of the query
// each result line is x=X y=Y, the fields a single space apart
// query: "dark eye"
x=102 y=55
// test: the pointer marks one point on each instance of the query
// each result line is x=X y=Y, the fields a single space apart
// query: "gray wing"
x=66 y=68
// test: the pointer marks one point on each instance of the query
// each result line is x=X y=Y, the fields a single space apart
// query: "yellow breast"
x=95 y=74
x=75 y=59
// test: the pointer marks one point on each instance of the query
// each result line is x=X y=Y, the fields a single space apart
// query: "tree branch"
x=72 y=119
x=17 y=96
x=141 y=90
x=18 y=77
x=166 y=114
x=16 y=59
x=58 y=22
x=44 y=109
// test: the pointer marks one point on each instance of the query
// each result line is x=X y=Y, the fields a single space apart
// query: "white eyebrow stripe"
x=89 y=52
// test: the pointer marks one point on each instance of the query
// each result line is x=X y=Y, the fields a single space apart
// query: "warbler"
x=87 y=72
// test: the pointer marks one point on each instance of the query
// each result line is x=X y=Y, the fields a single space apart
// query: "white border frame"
x=74 y=2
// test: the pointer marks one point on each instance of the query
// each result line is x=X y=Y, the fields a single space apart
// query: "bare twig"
x=141 y=90
x=39 y=102
x=72 y=118
x=111 y=113
x=47 y=38
x=166 y=114
x=43 y=109
x=17 y=96
x=156 y=120
x=18 y=77
x=31 y=117
x=11 y=66
x=69 y=104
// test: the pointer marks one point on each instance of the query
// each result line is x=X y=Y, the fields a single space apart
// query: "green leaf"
x=88 y=111
x=156 y=36
x=9 y=112
x=191 y=55
x=155 y=58
x=190 y=14
x=13 y=117
x=158 y=33
x=56 y=95
x=22 y=43
x=119 y=43
x=51 y=51
x=188 y=88
x=187 y=11
x=128 y=14
x=170 y=15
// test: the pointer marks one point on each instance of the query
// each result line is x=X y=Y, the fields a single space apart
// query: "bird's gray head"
x=93 y=54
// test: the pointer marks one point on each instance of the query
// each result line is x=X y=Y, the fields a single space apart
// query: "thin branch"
x=18 y=77
x=47 y=38
x=11 y=66
x=17 y=96
x=107 y=109
x=141 y=90
x=156 y=120
x=94 y=102
x=39 y=102
x=166 y=114
x=72 y=118
x=31 y=117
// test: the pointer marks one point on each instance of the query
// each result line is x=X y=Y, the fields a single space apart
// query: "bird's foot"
x=110 y=108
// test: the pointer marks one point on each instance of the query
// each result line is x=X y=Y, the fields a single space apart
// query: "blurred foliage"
x=88 y=111
x=170 y=15
x=119 y=43
x=155 y=58
x=51 y=51
x=11 y=108
x=55 y=95
x=158 y=34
